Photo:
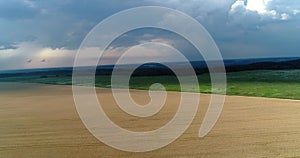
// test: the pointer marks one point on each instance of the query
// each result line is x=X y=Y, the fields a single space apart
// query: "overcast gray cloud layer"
x=241 y=28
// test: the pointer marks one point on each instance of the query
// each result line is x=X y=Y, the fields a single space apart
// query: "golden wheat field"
x=41 y=121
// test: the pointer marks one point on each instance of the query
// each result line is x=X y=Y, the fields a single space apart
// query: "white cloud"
x=259 y=7
x=157 y=40
x=285 y=16
x=266 y=9
x=296 y=11
x=239 y=4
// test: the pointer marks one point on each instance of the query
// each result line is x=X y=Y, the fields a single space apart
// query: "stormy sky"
x=36 y=34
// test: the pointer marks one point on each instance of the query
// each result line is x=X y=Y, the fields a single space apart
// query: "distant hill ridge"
x=159 y=69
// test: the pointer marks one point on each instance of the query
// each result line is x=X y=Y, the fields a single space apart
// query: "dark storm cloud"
x=15 y=9
x=252 y=28
x=56 y=23
x=139 y=36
